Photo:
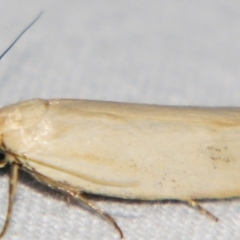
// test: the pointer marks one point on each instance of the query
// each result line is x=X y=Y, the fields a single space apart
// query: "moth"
x=122 y=150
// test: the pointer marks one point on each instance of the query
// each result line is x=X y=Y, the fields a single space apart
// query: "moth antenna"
x=21 y=35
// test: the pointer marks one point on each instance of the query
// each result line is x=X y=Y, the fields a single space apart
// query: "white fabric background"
x=163 y=52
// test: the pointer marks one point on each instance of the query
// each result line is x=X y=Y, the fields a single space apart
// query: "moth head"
x=3 y=159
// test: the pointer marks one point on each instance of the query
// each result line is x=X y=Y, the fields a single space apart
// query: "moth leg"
x=195 y=205
x=110 y=219
x=11 y=193
x=64 y=187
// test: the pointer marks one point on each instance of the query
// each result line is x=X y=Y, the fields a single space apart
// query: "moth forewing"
x=128 y=151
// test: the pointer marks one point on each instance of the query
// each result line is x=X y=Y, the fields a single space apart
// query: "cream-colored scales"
x=122 y=150
x=125 y=150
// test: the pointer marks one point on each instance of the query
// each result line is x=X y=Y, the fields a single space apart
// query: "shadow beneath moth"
x=122 y=150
